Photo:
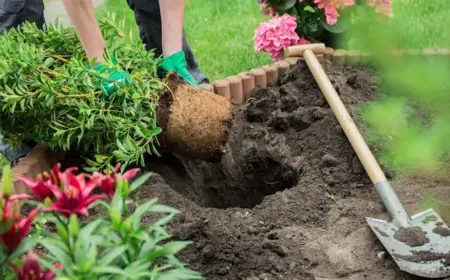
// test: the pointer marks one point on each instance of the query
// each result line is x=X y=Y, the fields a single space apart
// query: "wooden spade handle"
x=354 y=136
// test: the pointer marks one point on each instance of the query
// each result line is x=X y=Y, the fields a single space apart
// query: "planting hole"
x=223 y=185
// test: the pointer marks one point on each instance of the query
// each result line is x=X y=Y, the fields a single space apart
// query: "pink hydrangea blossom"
x=382 y=6
x=276 y=34
x=331 y=8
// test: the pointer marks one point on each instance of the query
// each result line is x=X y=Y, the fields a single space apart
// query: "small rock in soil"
x=381 y=255
x=413 y=236
x=442 y=231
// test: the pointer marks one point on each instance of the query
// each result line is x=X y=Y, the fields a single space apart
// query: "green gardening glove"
x=111 y=77
x=177 y=63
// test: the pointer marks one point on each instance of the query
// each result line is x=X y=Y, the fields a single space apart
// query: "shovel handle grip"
x=351 y=131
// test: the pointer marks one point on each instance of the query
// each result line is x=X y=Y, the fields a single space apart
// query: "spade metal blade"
x=422 y=248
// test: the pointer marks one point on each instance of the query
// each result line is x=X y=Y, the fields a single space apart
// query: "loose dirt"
x=442 y=231
x=411 y=236
x=423 y=256
x=289 y=198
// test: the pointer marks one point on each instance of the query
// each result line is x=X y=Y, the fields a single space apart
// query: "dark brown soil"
x=425 y=256
x=413 y=236
x=442 y=231
x=288 y=200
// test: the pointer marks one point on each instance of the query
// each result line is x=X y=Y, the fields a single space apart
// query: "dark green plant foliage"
x=49 y=94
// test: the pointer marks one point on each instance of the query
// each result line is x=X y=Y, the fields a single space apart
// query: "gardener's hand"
x=177 y=63
x=111 y=77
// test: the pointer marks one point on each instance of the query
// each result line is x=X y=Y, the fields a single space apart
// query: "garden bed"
x=288 y=200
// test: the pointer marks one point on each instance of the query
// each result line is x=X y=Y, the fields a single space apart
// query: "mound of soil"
x=288 y=200
x=412 y=236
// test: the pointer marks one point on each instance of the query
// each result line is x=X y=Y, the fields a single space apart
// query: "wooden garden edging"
x=237 y=89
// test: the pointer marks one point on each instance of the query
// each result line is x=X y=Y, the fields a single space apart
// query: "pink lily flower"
x=31 y=269
x=108 y=180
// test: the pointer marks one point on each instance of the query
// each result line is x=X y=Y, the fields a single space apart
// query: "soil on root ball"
x=289 y=198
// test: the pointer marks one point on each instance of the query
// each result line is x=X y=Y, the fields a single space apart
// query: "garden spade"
x=420 y=244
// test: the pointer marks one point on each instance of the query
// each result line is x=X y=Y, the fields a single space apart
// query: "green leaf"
x=86 y=232
x=310 y=9
x=163 y=221
x=140 y=133
x=140 y=181
x=147 y=248
x=58 y=249
x=156 y=131
x=109 y=270
x=121 y=146
x=107 y=259
x=160 y=208
x=119 y=155
x=285 y=5
x=135 y=218
x=171 y=248
x=87 y=260
x=180 y=274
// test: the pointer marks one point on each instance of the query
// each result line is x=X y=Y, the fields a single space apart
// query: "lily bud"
x=62 y=231
x=74 y=227
x=128 y=226
x=7 y=186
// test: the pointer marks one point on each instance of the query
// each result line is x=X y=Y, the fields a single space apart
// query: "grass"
x=221 y=32
x=423 y=23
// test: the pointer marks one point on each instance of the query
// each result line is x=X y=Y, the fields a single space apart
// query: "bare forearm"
x=172 y=18
x=82 y=16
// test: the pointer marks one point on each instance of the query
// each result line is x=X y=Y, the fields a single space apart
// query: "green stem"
x=68 y=243
x=59 y=219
